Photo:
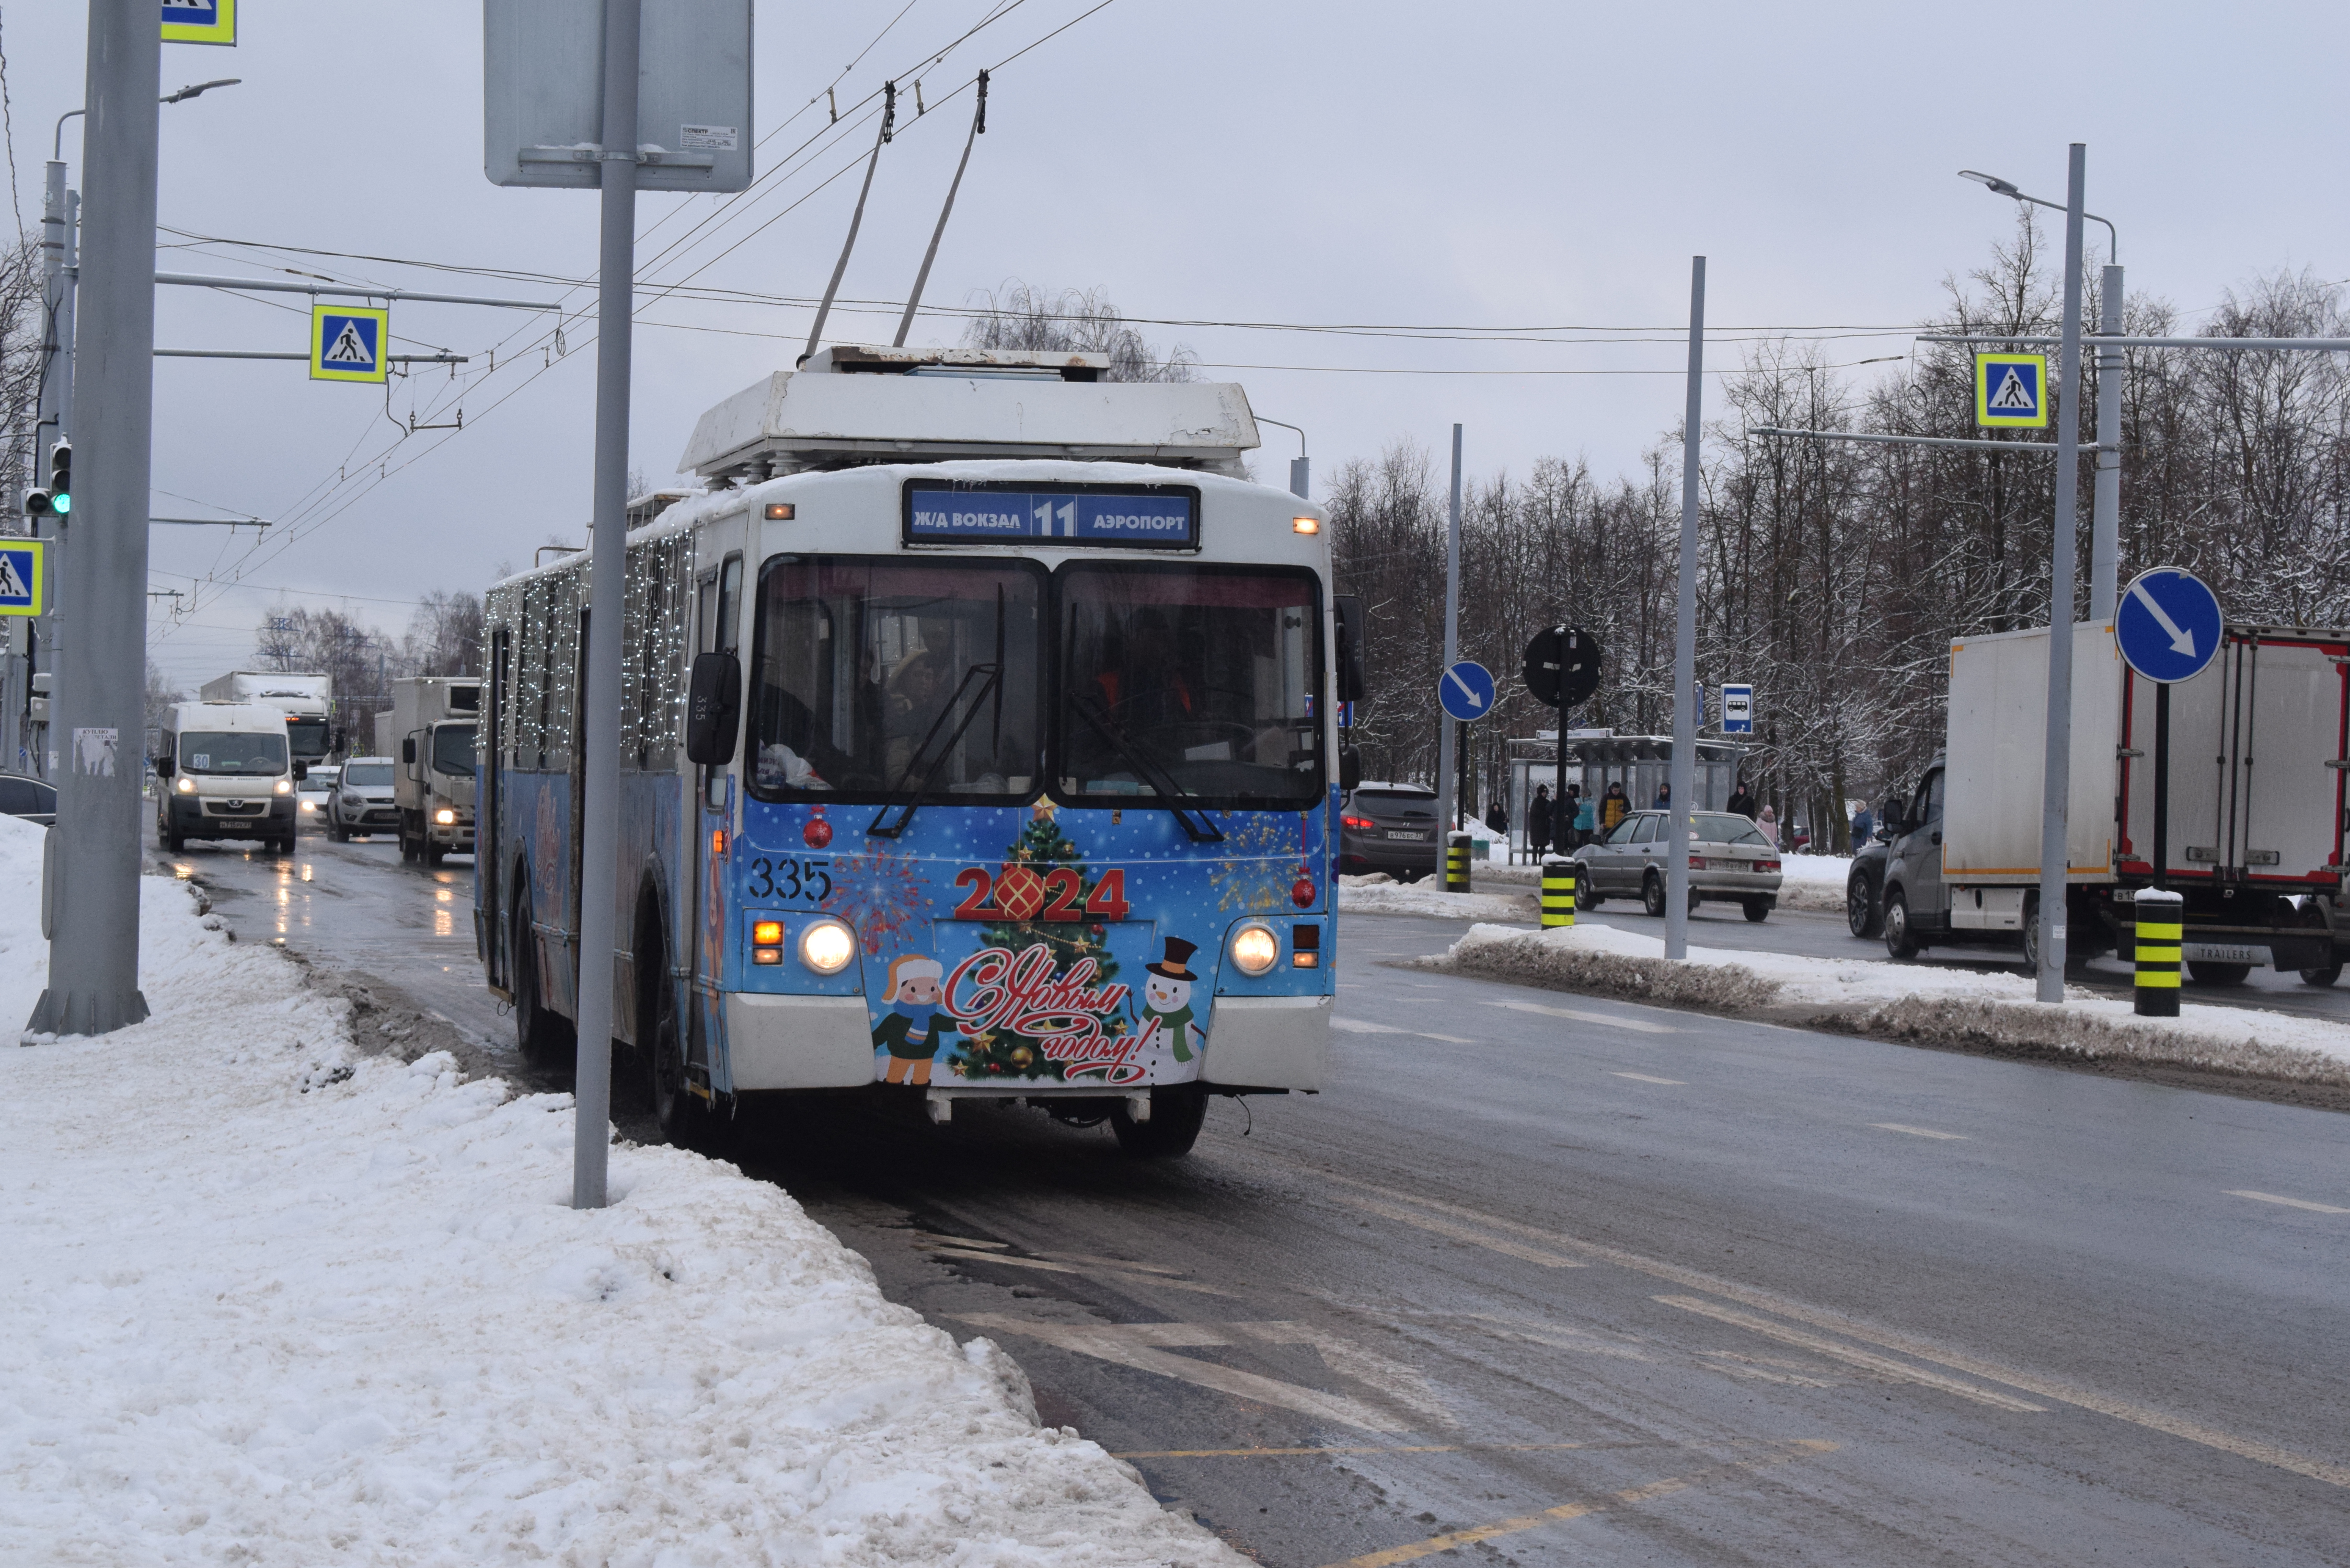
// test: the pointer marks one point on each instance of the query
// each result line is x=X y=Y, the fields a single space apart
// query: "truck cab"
x=429 y=733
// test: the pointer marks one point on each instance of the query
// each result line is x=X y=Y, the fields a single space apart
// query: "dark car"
x=1389 y=827
x=33 y=800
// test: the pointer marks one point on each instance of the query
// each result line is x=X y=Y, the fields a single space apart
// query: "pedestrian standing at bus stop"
x=1538 y=822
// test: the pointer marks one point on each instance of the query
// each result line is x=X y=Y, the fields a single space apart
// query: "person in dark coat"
x=1743 y=802
x=1538 y=814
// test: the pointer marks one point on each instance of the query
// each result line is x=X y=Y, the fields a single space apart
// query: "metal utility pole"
x=1446 y=738
x=1684 y=764
x=607 y=563
x=2056 y=782
x=98 y=705
x=2106 y=506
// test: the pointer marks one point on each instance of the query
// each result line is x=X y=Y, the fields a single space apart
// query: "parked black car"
x=33 y=800
x=1389 y=828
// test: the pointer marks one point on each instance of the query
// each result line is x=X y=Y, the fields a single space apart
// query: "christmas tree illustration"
x=1022 y=896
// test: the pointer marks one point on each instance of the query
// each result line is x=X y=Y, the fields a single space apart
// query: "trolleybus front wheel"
x=1176 y=1112
x=683 y=1122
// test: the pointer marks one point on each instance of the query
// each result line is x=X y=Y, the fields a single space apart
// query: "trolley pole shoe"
x=1456 y=863
x=1557 y=892
x=2157 y=948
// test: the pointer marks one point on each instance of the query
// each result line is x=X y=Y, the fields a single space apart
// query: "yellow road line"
x=2064 y=1393
x=1453 y=1538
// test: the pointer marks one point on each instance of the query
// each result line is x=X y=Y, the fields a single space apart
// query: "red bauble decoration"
x=817 y=833
x=1302 y=893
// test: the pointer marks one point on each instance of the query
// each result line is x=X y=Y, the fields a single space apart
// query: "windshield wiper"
x=994 y=673
x=1205 y=831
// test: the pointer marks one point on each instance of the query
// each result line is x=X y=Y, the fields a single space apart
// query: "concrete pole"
x=606 y=556
x=2105 y=506
x=2056 y=781
x=98 y=706
x=1683 y=772
x=1447 y=740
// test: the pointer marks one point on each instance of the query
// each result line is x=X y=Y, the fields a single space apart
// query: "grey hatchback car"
x=1389 y=827
x=1730 y=862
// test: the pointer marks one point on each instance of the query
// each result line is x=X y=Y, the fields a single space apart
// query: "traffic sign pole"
x=2056 y=780
x=607 y=563
x=98 y=703
x=2161 y=786
x=2106 y=504
x=2167 y=628
x=1447 y=739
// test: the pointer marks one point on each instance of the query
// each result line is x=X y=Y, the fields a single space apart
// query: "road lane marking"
x=1137 y=1346
x=1453 y=1540
x=1120 y=1275
x=1887 y=1339
x=1403 y=1385
x=2288 y=1202
x=1363 y=1027
x=1583 y=1016
x=1645 y=1078
x=1882 y=1365
x=1381 y=1448
x=1463 y=1234
x=1919 y=1132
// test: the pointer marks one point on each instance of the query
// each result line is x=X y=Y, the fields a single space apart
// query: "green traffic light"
x=61 y=503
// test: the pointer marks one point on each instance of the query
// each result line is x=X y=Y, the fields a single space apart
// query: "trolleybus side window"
x=1192 y=679
x=873 y=673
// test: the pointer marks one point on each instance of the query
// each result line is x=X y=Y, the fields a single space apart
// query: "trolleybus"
x=977 y=741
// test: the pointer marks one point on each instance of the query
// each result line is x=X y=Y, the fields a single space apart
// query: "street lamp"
x=57 y=145
x=2007 y=188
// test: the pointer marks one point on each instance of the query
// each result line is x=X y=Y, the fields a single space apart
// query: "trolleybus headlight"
x=766 y=942
x=826 y=946
x=1254 y=949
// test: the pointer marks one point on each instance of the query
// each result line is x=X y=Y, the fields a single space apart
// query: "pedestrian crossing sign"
x=347 y=343
x=2012 y=391
x=200 y=21
x=22 y=582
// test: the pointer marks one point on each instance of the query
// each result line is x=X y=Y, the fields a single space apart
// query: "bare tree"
x=1083 y=321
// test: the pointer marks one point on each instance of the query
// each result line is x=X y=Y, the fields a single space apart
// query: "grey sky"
x=1484 y=165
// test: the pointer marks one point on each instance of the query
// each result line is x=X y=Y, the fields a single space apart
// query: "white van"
x=226 y=773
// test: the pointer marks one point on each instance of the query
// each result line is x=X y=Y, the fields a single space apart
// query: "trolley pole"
x=98 y=703
x=2056 y=781
x=1684 y=763
x=1446 y=729
x=607 y=563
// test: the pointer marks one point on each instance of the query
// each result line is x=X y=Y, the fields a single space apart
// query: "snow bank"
x=1814 y=882
x=274 y=1302
x=1364 y=896
x=1926 y=1006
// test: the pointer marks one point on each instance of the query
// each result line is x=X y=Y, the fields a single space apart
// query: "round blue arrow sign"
x=2168 y=624
x=1466 y=690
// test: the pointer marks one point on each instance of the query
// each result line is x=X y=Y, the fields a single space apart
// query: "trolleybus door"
x=718 y=629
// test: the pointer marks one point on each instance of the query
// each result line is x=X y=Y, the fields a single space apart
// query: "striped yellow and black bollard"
x=1456 y=863
x=2155 y=945
x=1557 y=892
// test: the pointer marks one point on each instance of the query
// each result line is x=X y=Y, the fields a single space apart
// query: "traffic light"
x=60 y=495
x=36 y=503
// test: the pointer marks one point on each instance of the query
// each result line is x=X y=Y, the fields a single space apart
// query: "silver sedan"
x=1730 y=862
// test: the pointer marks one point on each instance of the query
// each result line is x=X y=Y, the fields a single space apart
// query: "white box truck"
x=2259 y=749
x=428 y=732
x=306 y=701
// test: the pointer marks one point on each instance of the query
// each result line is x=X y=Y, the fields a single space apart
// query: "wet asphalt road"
x=1592 y=1283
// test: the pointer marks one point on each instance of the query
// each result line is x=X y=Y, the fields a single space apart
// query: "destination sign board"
x=1130 y=516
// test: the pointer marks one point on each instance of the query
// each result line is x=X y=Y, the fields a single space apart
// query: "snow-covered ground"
x=1814 y=881
x=1377 y=894
x=270 y=1301
x=1909 y=1000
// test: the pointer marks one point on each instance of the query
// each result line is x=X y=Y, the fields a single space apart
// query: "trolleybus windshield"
x=872 y=674
x=1189 y=679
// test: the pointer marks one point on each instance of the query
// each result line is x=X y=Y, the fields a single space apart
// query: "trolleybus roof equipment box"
x=852 y=404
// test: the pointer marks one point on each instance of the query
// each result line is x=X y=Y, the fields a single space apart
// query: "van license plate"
x=2224 y=952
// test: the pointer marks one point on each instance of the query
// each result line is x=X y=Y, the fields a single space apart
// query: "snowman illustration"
x=1170 y=1040
x=915 y=1032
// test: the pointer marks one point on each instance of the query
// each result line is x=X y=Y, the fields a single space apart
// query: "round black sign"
x=1563 y=666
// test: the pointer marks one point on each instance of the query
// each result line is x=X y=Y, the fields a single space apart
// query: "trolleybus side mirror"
x=1350 y=769
x=714 y=709
x=1353 y=632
